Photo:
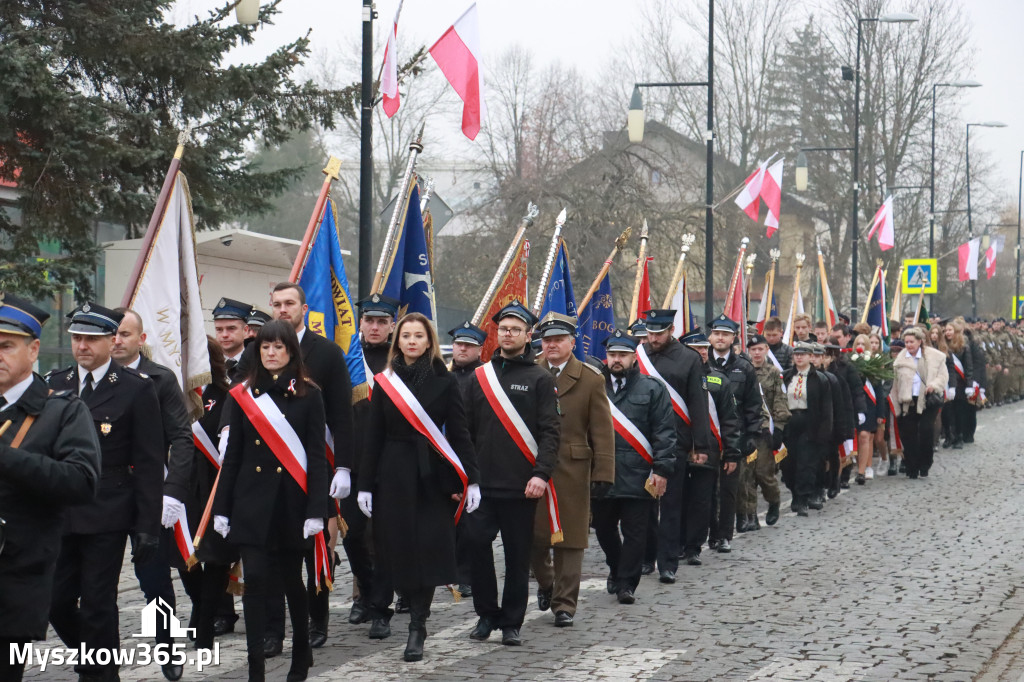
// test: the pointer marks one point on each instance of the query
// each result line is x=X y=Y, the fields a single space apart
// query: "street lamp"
x=247 y=12
x=1020 y=187
x=931 y=201
x=894 y=18
x=970 y=226
x=635 y=128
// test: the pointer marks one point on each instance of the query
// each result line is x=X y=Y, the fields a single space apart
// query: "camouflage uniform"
x=762 y=472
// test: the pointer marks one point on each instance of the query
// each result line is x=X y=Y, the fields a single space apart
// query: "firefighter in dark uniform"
x=231 y=329
x=155 y=577
x=376 y=322
x=49 y=458
x=255 y=321
x=467 y=342
x=747 y=392
x=122 y=403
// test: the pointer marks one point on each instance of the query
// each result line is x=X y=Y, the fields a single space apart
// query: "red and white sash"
x=520 y=434
x=870 y=390
x=321 y=560
x=278 y=434
x=183 y=537
x=775 y=361
x=631 y=434
x=958 y=366
x=369 y=378
x=716 y=426
x=205 y=445
x=413 y=411
x=647 y=367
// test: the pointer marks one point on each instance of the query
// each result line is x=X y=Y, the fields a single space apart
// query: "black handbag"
x=935 y=399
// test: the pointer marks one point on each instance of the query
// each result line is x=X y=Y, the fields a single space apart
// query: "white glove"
x=950 y=393
x=220 y=524
x=341 y=486
x=173 y=510
x=472 y=498
x=969 y=391
x=311 y=527
x=365 y=501
x=860 y=417
x=222 y=444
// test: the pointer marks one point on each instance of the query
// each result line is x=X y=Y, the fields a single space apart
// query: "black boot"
x=742 y=523
x=414 y=647
x=380 y=628
x=302 y=660
x=772 y=517
x=753 y=523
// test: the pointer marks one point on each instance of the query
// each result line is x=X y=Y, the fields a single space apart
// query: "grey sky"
x=588 y=34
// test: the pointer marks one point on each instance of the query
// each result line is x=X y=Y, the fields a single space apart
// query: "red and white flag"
x=771 y=192
x=458 y=55
x=882 y=224
x=749 y=197
x=389 y=74
x=990 y=262
x=968 y=259
x=643 y=301
x=764 y=310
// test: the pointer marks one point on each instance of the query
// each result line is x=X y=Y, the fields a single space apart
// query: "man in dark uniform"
x=809 y=431
x=747 y=392
x=467 y=342
x=122 y=403
x=686 y=503
x=255 y=321
x=510 y=483
x=376 y=322
x=231 y=330
x=155 y=577
x=49 y=458
x=325 y=364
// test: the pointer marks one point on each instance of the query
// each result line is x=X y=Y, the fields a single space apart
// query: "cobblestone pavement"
x=898 y=579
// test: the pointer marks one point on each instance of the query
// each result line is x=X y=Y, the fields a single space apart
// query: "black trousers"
x=206 y=586
x=685 y=510
x=9 y=670
x=670 y=517
x=317 y=603
x=357 y=542
x=155 y=580
x=624 y=553
x=917 y=430
x=723 y=523
x=513 y=518
x=651 y=545
x=84 y=607
x=804 y=461
x=269 y=573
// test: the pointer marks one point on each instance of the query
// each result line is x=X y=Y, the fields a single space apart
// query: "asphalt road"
x=898 y=579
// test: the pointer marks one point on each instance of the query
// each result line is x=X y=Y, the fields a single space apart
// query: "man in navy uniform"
x=130 y=498
x=49 y=458
x=255 y=321
x=231 y=330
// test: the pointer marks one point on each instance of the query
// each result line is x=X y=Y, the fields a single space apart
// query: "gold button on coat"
x=258 y=470
x=278 y=469
x=257 y=441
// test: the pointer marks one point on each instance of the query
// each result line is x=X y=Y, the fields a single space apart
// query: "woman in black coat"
x=260 y=506
x=409 y=488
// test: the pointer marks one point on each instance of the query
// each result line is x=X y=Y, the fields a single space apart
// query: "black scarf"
x=415 y=374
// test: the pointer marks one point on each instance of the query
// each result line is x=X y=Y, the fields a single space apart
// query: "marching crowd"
x=661 y=449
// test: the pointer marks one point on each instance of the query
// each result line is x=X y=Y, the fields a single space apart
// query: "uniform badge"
x=105 y=428
x=209 y=404
x=70 y=376
x=86 y=308
x=112 y=378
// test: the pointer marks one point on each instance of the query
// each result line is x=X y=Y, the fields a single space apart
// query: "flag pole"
x=774 y=254
x=527 y=221
x=871 y=292
x=640 y=262
x=549 y=264
x=154 y=221
x=746 y=300
x=897 y=298
x=792 y=306
x=677 y=276
x=620 y=243
x=331 y=173
x=736 y=274
x=398 y=215
x=920 y=299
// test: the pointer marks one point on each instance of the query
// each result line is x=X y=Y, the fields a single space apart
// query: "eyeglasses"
x=510 y=331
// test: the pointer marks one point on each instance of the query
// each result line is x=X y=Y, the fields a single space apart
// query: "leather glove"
x=173 y=510
x=220 y=524
x=599 y=489
x=341 y=486
x=365 y=501
x=777 y=439
x=860 y=418
x=311 y=527
x=146 y=548
x=472 y=498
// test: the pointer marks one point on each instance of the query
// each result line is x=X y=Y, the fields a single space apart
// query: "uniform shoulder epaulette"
x=135 y=373
x=65 y=395
x=56 y=372
x=593 y=369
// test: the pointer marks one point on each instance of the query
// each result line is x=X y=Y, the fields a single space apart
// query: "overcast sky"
x=586 y=34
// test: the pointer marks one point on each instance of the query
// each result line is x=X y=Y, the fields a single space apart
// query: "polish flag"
x=389 y=74
x=882 y=224
x=990 y=261
x=764 y=310
x=458 y=55
x=643 y=301
x=749 y=197
x=968 y=258
x=771 y=192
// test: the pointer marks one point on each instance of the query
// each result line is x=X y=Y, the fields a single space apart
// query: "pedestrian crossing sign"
x=920 y=275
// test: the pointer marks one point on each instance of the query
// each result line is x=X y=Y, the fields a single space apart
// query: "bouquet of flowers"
x=874 y=367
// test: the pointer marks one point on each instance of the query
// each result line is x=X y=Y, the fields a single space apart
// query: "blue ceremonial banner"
x=407 y=277
x=331 y=314
x=560 y=298
x=876 y=316
x=596 y=322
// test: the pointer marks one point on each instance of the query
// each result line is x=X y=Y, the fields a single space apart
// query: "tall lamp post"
x=894 y=18
x=1020 y=187
x=635 y=126
x=970 y=225
x=931 y=200
x=366 y=155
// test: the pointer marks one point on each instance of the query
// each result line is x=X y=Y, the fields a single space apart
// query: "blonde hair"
x=862 y=341
x=804 y=317
x=958 y=342
x=435 y=345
